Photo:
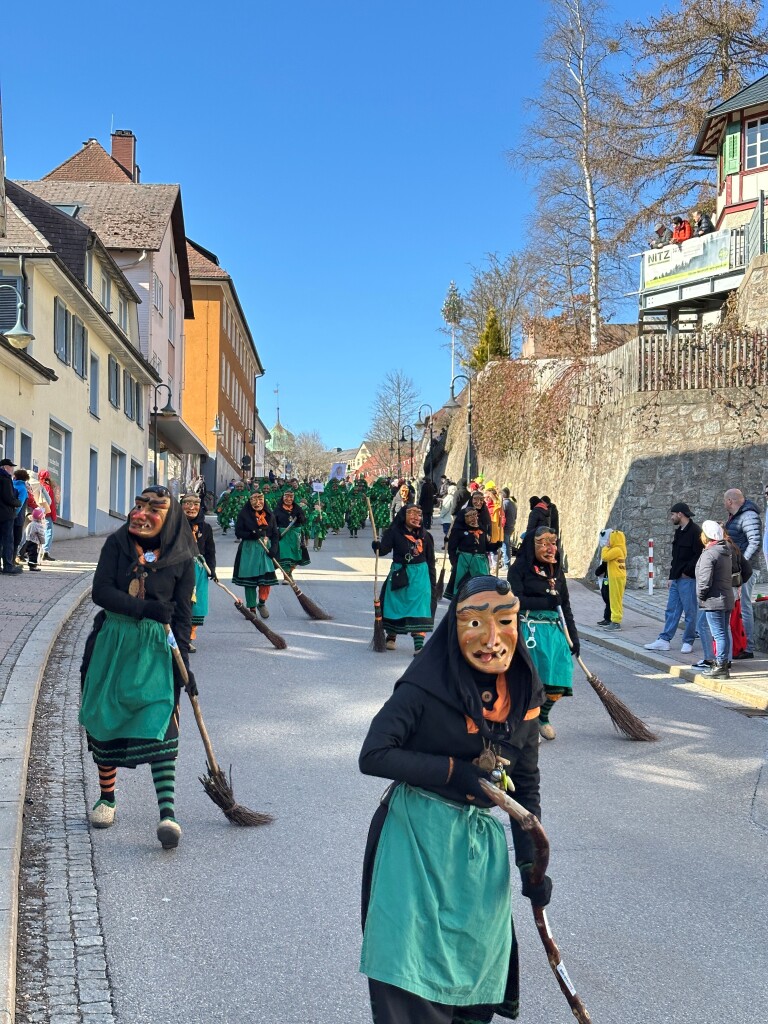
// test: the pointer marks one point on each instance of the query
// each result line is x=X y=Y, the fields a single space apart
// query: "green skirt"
x=253 y=566
x=290 y=550
x=200 y=600
x=467 y=567
x=550 y=652
x=439 y=921
x=408 y=610
x=129 y=701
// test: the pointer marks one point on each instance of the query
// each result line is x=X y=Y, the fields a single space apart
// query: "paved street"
x=658 y=850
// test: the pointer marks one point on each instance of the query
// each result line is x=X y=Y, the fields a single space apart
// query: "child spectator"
x=615 y=557
x=34 y=538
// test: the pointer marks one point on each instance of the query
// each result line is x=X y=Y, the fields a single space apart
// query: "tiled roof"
x=91 y=163
x=750 y=96
x=125 y=216
x=204 y=263
x=20 y=233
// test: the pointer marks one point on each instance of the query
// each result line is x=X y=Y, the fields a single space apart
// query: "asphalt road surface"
x=658 y=850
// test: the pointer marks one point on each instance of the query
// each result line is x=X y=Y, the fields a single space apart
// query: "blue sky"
x=345 y=160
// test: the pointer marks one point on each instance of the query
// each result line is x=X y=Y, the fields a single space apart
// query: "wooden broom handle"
x=373 y=521
x=212 y=762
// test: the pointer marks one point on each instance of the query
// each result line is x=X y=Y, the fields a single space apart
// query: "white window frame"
x=157 y=293
x=759 y=125
x=93 y=394
x=106 y=291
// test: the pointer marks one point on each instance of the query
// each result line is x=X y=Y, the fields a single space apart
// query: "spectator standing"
x=614 y=556
x=539 y=514
x=443 y=488
x=714 y=592
x=20 y=477
x=681 y=230
x=509 y=506
x=702 y=224
x=446 y=517
x=34 y=538
x=663 y=237
x=554 y=517
x=427 y=502
x=686 y=548
x=50 y=519
x=461 y=497
x=9 y=506
x=746 y=531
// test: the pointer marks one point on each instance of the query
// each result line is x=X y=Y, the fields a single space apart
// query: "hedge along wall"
x=623 y=464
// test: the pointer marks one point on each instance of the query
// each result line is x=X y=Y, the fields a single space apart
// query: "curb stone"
x=743 y=691
x=17 y=717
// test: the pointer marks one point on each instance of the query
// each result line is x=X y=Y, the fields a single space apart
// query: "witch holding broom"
x=291 y=522
x=536 y=576
x=204 y=562
x=439 y=944
x=255 y=527
x=406 y=596
x=130 y=698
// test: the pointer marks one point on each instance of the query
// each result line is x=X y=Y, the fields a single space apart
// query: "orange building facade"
x=221 y=373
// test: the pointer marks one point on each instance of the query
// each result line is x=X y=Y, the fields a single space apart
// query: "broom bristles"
x=314 y=611
x=274 y=638
x=379 y=641
x=219 y=789
x=623 y=720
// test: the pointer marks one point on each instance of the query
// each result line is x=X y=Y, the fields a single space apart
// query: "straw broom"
x=274 y=638
x=624 y=721
x=314 y=611
x=379 y=641
x=215 y=782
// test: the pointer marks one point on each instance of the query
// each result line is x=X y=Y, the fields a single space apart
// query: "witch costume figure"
x=536 y=576
x=254 y=569
x=439 y=944
x=291 y=522
x=468 y=544
x=406 y=596
x=131 y=687
x=202 y=533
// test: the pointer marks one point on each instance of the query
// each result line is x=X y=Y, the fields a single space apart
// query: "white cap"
x=712 y=530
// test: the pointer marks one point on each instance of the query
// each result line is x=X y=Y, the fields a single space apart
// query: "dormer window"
x=757 y=143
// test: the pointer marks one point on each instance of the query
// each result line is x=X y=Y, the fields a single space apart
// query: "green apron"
x=467 y=567
x=253 y=566
x=290 y=549
x=550 y=652
x=128 y=692
x=439 y=919
x=409 y=609
x=200 y=598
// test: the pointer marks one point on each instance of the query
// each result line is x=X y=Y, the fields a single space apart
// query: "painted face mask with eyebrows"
x=486 y=624
x=149 y=513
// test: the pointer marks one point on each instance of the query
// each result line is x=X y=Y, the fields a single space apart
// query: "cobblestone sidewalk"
x=61 y=963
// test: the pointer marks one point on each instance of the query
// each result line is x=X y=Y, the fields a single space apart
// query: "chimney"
x=124 y=152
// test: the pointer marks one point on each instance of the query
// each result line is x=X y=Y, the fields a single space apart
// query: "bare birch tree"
x=394 y=407
x=580 y=204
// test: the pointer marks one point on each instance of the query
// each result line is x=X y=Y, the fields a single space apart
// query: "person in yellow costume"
x=615 y=557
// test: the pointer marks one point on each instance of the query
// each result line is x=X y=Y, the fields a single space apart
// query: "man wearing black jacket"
x=686 y=548
x=9 y=506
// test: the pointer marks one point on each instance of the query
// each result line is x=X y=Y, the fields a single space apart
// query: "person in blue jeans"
x=745 y=529
x=686 y=548
x=714 y=591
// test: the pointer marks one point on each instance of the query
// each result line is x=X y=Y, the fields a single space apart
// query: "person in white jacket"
x=445 y=511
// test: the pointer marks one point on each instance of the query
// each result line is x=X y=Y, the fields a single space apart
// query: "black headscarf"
x=442 y=670
x=399 y=521
x=527 y=550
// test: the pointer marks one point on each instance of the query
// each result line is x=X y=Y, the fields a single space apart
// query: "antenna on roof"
x=112 y=125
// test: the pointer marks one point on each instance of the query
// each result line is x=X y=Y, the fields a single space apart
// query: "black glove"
x=465 y=780
x=540 y=894
x=160 y=611
x=494 y=546
x=375 y=546
x=553 y=600
x=214 y=577
x=191 y=686
x=575 y=648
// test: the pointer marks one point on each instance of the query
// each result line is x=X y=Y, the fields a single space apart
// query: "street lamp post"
x=167 y=410
x=453 y=404
x=246 y=462
x=421 y=423
x=18 y=336
x=404 y=439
